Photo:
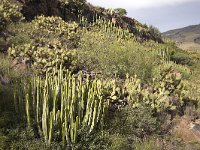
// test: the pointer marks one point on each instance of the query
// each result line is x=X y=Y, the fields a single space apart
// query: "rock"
x=187 y=129
x=4 y=80
x=21 y=64
x=14 y=62
x=195 y=126
x=20 y=67
x=174 y=100
x=26 y=61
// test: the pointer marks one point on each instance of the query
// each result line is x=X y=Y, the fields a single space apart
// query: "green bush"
x=54 y=28
x=182 y=69
x=120 y=11
x=102 y=140
x=182 y=57
x=44 y=58
x=108 y=54
x=50 y=41
x=166 y=92
x=154 y=31
x=9 y=13
x=134 y=122
x=77 y=2
x=19 y=39
x=147 y=145
x=22 y=138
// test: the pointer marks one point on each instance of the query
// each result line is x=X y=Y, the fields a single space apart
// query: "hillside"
x=74 y=76
x=72 y=12
x=187 y=38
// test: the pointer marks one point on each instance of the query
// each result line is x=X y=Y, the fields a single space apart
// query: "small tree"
x=77 y=2
x=154 y=31
x=120 y=11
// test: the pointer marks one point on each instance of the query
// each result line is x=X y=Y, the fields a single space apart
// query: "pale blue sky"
x=164 y=14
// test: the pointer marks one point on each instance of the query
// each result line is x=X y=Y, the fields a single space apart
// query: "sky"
x=163 y=14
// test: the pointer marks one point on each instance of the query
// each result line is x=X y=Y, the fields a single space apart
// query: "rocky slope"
x=72 y=12
x=187 y=38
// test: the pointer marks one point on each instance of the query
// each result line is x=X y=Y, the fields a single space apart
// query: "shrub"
x=102 y=140
x=150 y=144
x=167 y=92
x=44 y=58
x=135 y=122
x=155 y=31
x=50 y=42
x=120 y=11
x=77 y=2
x=182 y=57
x=9 y=13
x=182 y=69
x=54 y=28
x=108 y=54
x=19 y=39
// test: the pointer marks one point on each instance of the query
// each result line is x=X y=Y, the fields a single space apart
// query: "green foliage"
x=77 y=2
x=44 y=58
x=120 y=11
x=118 y=142
x=61 y=104
x=22 y=138
x=55 y=27
x=69 y=111
x=9 y=13
x=96 y=140
x=165 y=92
x=111 y=54
x=50 y=42
x=138 y=122
x=147 y=145
x=19 y=39
x=141 y=121
x=76 y=8
x=182 y=57
x=154 y=31
x=182 y=69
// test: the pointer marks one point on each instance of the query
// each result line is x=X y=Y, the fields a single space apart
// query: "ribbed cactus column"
x=28 y=111
x=63 y=103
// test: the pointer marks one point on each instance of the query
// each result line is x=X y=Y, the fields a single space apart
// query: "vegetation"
x=120 y=11
x=91 y=84
x=154 y=31
x=62 y=105
x=50 y=41
x=8 y=14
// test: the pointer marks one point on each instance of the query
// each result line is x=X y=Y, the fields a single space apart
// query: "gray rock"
x=4 y=80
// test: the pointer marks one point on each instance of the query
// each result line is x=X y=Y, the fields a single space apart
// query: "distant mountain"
x=186 y=38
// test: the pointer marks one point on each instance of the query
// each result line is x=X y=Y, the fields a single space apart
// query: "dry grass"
x=189 y=46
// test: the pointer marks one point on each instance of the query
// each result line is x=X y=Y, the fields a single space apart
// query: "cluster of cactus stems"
x=61 y=102
x=64 y=103
x=108 y=27
x=164 y=54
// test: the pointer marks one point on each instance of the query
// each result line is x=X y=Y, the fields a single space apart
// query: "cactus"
x=62 y=103
x=28 y=111
x=50 y=128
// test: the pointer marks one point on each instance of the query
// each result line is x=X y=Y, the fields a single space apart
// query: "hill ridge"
x=187 y=37
x=70 y=12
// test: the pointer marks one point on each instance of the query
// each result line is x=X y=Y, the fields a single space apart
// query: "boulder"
x=187 y=129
